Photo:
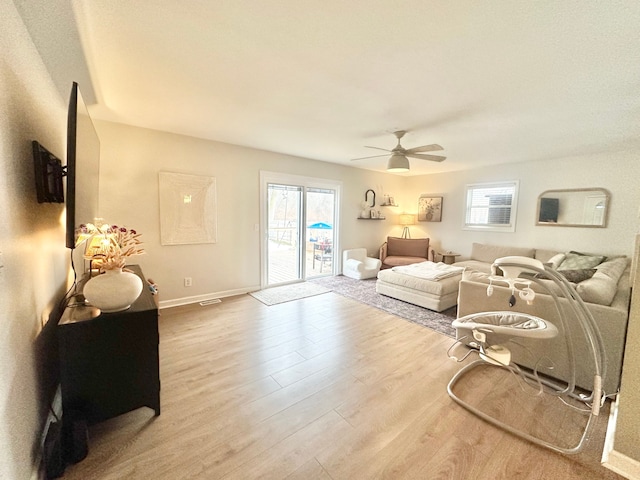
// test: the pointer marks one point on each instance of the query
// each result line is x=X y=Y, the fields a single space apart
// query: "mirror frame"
x=605 y=216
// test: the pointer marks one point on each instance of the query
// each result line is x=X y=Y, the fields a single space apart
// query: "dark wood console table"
x=109 y=364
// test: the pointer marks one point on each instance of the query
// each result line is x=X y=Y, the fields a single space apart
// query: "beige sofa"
x=606 y=295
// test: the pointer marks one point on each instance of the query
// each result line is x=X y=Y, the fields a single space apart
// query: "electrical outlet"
x=187 y=281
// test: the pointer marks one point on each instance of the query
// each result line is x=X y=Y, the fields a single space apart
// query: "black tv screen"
x=549 y=209
x=83 y=167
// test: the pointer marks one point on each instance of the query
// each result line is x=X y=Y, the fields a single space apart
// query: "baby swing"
x=494 y=331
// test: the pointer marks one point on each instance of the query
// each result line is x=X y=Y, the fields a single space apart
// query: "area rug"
x=365 y=291
x=287 y=293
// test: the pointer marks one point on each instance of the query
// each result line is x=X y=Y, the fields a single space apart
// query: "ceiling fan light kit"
x=398 y=162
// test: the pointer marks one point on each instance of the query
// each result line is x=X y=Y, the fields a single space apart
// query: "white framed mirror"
x=578 y=207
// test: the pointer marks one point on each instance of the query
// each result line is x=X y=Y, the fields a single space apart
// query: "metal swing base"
x=570 y=450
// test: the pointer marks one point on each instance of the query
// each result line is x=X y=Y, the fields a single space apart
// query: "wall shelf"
x=364 y=218
x=388 y=204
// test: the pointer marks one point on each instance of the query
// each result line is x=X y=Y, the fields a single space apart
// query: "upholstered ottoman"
x=435 y=295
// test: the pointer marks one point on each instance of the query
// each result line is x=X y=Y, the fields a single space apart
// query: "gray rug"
x=287 y=293
x=365 y=291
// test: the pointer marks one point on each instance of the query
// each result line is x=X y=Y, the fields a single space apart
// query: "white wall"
x=131 y=160
x=35 y=271
x=617 y=173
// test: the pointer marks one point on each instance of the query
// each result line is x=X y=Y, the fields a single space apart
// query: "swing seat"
x=513 y=324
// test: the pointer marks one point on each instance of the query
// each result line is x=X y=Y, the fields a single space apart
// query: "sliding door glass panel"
x=298 y=225
x=284 y=233
x=320 y=231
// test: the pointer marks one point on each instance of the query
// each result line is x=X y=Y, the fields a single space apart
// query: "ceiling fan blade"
x=377 y=148
x=433 y=158
x=373 y=156
x=425 y=148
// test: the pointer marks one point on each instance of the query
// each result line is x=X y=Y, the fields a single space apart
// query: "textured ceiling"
x=491 y=81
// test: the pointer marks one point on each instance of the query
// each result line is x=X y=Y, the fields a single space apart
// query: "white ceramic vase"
x=113 y=291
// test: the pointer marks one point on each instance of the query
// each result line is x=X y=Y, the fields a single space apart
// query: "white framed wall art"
x=188 y=209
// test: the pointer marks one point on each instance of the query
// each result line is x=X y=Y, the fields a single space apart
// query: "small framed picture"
x=429 y=208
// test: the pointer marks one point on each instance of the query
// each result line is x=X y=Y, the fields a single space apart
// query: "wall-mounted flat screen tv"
x=83 y=167
x=549 y=209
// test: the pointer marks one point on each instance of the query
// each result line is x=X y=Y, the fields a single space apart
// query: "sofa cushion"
x=401 y=260
x=474 y=265
x=488 y=253
x=577 y=261
x=553 y=261
x=408 y=247
x=597 y=290
x=602 y=287
x=577 y=276
x=546 y=256
x=613 y=268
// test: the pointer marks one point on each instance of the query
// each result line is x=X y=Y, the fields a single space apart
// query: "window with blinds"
x=491 y=207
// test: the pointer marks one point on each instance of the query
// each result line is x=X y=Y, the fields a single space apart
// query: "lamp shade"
x=406 y=219
x=398 y=163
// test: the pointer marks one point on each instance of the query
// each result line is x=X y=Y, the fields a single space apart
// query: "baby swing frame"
x=514 y=324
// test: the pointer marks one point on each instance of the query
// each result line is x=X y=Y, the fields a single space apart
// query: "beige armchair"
x=404 y=251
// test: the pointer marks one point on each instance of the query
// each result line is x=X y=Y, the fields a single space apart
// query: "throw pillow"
x=602 y=287
x=555 y=261
x=545 y=255
x=597 y=289
x=578 y=261
x=613 y=268
x=577 y=276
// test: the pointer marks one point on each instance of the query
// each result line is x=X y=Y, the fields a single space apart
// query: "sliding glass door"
x=319 y=232
x=284 y=233
x=299 y=225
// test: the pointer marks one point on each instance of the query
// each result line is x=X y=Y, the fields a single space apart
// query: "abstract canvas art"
x=188 y=209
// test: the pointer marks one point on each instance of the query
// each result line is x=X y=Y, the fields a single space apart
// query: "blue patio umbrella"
x=320 y=226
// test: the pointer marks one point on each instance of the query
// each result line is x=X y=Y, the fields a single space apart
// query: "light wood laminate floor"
x=319 y=388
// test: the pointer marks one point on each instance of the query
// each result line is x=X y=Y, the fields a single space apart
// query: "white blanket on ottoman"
x=429 y=270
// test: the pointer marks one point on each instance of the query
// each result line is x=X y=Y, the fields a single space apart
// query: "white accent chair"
x=356 y=264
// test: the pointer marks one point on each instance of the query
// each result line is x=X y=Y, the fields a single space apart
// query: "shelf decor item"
x=364 y=213
x=114 y=289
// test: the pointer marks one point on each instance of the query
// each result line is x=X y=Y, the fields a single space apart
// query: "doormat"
x=287 y=293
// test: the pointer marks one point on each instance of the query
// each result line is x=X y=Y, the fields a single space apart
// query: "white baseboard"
x=623 y=465
x=613 y=460
x=203 y=298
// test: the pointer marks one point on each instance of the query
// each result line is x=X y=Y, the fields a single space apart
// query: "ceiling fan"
x=398 y=162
